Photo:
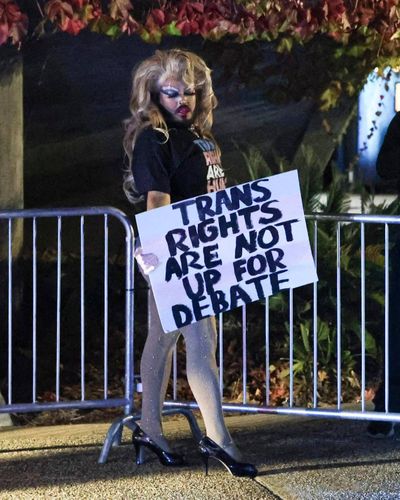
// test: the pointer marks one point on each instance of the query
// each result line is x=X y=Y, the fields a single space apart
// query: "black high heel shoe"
x=141 y=440
x=209 y=449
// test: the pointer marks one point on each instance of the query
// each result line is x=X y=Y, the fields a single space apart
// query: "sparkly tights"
x=202 y=373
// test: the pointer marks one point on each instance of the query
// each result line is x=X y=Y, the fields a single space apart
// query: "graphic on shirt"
x=216 y=179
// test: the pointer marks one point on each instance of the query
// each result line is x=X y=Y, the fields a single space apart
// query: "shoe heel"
x=205 y=462
x=139 y=450
x=141 y=441
x=209 y=448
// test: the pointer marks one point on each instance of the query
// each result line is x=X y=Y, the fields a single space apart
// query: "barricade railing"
x=44 y=312
x=362 y=242
x=22 y=295
x=366 y=247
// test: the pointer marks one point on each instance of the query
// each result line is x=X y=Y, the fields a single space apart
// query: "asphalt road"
x=298 y=458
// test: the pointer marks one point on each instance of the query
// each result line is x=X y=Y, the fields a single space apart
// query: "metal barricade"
x=344 y=305
x=10 y=224
x=76 y=220
x=315 y=314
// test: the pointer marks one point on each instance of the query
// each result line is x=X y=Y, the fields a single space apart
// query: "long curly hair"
x=146 y=80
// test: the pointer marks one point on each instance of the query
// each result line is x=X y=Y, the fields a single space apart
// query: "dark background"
x=76 y=95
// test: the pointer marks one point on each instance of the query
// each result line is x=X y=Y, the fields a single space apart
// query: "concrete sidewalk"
x=298 y=458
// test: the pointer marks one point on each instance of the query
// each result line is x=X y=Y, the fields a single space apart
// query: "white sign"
x=225 y=249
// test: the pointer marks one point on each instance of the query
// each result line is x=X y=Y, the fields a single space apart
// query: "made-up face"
x=178 y=99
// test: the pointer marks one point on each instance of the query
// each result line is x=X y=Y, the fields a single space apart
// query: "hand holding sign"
x=147 y=261
x=228 y=248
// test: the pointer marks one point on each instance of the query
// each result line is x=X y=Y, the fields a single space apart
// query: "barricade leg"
x=114 y=434
x=194 y=426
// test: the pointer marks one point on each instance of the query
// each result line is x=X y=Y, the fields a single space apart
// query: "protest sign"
x=225 y=249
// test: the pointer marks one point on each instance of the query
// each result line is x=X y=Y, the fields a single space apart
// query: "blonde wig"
x=148 y=76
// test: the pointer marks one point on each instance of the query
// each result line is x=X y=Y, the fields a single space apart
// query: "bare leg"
x=155 y=369
x=202 y=373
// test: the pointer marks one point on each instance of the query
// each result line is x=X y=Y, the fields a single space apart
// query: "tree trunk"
x=11 y=184
x=11 y=144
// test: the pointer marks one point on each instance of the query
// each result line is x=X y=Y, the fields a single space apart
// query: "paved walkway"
x=298 y=458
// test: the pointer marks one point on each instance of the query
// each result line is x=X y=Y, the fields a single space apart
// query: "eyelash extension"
x=172 y=94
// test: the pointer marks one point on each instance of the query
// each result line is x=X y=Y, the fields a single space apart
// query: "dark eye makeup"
x=173 y=94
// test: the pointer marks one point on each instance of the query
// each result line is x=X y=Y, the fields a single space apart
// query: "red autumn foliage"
x=72 y=16
x=364 y=34
x=121 y=14
x=13 y=23
x=246 y=19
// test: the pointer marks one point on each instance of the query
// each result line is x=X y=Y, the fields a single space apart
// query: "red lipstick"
x=183 y=110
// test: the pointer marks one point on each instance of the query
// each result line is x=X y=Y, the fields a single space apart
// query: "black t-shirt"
x=183 y=166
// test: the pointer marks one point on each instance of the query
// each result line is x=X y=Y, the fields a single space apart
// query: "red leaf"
x=184 y=27
x=336 y=8
x=129 y=26
x=18 y=31
x=73 y=26
x=158 y=16
x=120 y=9
x=208 y=26
x=4 y=33
x=57 y=8
x=197 y=6
x=78 y=4
x=181 y=14
x=12 y=12
x=194 y=27
x=366 y=15
x=13 y=23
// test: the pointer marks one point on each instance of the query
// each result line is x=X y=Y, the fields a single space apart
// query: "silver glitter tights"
x=202 y=373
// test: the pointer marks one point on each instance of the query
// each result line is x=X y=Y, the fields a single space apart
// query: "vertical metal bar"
x=221 y=352
x=338 y=317
x=362 y=316
x=244 y=349
x=10 y=306
x=129 y=321
x=82 y=240
x=291 y=381
x=105 y=314
x=387 y=315
x=58 y=327
x=34 y=309
x=315 y=322
x=10 y=325
x=267 y=360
